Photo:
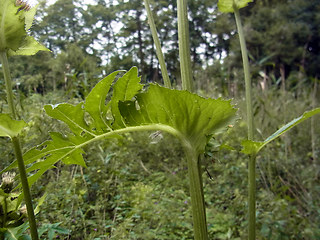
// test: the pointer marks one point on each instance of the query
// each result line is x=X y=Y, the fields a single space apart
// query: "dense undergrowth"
x=135 y=188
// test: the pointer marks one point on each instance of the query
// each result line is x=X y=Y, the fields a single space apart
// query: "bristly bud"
x=24 y=5
x=7 y=181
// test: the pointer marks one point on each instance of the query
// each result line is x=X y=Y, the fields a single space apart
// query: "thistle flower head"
x=7 y=181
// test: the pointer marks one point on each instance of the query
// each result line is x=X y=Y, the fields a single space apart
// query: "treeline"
x=91 y=40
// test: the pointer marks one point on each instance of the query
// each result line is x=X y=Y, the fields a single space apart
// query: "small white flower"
x=8 y=178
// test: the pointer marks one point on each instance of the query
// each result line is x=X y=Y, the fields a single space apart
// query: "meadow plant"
x=133 y=107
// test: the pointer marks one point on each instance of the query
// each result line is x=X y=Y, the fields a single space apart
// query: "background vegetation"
x=140 y=191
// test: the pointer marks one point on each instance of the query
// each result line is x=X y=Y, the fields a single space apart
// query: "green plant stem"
x=5 y=212
x=194 y=169
x=197 y=196
x=17 y=149
x=252 y=158
x=184 y=46
x=156 y=40
x=195 y=177
x=7 y=78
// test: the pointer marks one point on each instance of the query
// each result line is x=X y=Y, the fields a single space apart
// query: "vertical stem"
x=313 y=135
x=195 y=176
x=246 y=74
x=252 y=158
x=184 y=46
x=197 y=197
x=156 y=40
x=17 y=149
x=7 y=79
x=5 y=212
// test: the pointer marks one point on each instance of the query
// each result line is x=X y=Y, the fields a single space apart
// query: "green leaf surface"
x=73 y=116
x=193 y=116
x=253 y=147
x=29 y=16
x=12 y=26
x=17 y=233
x=186 y=115
x=9 y=127
x=95 y=103
x=29 y=46
x=124 y=89
x=228 y=5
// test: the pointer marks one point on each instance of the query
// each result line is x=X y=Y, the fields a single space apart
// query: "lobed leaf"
x=73 y=116
x=9 y=127
x=193 y=116
x=83 y=130
x=124 y=89
x=95 y=103
x=227 y=6
x=253 y=147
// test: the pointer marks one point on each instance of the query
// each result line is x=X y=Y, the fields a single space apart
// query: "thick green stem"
x=197 y=196
x=252 y=197
x=184 y=46
x=195 y=176
x=17 y=150
x=252 y=159
x=156 y=40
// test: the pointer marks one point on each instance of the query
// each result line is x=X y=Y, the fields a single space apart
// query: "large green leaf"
x=87 y=122
x=193 y=116
x=9 y=127
x=253 y=147
x=228 y=5
x=186 y=115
